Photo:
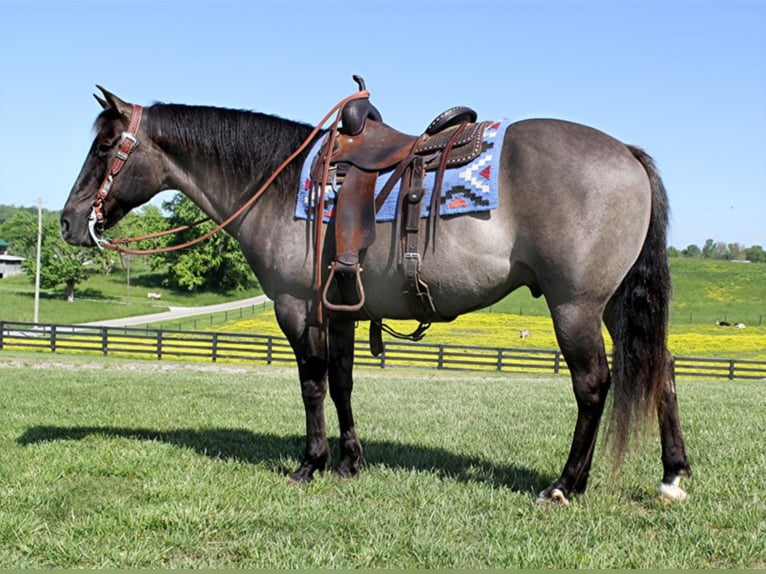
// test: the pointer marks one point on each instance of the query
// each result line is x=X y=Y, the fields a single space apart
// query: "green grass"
x=119 y=464
x=706 y=291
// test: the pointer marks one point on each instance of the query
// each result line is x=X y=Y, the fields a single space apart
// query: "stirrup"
x=357 y=271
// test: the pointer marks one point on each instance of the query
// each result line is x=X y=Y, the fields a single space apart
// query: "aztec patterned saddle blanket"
x=468 y=188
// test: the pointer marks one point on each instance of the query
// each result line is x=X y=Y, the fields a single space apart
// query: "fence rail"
x=221 y=346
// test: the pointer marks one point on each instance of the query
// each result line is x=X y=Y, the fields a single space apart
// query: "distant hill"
x=704 y=291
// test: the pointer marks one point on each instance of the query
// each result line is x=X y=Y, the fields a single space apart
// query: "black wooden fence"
x=262 y=349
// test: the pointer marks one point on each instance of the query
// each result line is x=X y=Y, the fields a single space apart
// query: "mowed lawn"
x=107 y=463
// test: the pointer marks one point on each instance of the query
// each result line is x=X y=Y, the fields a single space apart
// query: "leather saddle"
x=363 y=149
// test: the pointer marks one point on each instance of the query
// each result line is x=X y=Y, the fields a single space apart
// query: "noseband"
x=128 y=142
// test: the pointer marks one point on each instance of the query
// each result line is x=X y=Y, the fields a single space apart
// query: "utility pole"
x=37 y=266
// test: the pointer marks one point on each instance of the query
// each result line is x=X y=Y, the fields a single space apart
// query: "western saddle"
x=364 y=148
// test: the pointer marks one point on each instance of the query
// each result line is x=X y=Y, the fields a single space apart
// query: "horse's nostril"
x=64 y=228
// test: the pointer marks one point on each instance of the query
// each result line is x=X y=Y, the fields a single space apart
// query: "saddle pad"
x=466 y=189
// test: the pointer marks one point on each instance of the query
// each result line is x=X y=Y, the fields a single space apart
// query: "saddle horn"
x=360 y=82
x=357 y=112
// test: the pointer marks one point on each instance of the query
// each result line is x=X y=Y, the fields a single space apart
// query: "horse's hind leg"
x=340 y=366
x=674 y=462
x=578 y=330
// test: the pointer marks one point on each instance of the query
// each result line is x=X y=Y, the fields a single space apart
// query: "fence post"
x=159 y=344
x=104 y=344
x=53 y=338
x=2 y=331
x=269 y=342
x=731 y=370
x=499 y=359
x=215 y=347
x=440 y=364
x=557 y=362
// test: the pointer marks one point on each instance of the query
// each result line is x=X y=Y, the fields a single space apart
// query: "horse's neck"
x=220 y=174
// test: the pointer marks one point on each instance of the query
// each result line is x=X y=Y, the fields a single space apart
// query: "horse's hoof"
x=345 y=474
x=554 y=497
x=347 y=471
x=671 y=492
x=300 y=476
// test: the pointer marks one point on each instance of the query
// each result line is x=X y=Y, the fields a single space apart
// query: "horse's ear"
x=112 y=101
x=102 y=102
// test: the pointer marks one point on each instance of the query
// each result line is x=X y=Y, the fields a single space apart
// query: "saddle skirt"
x=468 y=188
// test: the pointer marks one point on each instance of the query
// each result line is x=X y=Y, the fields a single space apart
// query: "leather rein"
x=128 y=143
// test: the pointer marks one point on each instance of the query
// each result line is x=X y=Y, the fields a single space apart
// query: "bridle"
x=128 y=143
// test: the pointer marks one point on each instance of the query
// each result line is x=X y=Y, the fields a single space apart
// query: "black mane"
x=244 y=145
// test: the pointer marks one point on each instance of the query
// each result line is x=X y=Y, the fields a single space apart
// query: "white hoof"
x=556 y=497
x=671 y=492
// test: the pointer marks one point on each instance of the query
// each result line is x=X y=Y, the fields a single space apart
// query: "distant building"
x=9 y=264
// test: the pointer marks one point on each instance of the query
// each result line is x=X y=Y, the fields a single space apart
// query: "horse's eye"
x=103 y=149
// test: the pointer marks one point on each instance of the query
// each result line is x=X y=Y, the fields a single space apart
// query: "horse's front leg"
x=340 y=367
x=310 y=347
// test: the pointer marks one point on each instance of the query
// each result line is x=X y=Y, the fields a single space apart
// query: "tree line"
x=216 y=264
x=720 y=250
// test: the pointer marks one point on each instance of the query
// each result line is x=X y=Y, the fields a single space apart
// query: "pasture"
x=103 y=297
x=109 y=463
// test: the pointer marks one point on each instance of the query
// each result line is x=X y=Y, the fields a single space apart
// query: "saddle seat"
x=378 y=146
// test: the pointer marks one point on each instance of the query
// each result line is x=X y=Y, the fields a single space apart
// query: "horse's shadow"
x=273 y=451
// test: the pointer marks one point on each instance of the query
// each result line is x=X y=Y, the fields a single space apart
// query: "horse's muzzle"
x=74 y=234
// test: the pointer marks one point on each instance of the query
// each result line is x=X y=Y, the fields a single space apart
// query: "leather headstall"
x=128 y=143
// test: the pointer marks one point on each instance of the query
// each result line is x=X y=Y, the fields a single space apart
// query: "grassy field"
x=102 y=297
x=132 y=464
x=704 y=291
x=501 y=330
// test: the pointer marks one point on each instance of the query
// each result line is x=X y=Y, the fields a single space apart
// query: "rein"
x=128 y=143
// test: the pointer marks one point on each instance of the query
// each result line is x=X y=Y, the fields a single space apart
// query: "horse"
x=581 y=220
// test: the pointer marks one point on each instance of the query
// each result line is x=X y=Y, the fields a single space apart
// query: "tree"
x=734 y=252
x=691 y=251
x=721 y=250
x=143 y=221
x=59 y=261
x=708 y=251
x=217 y=263
x=756 y=254
x=20 y=230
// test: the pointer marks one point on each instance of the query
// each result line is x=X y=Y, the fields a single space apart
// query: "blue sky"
x=684 y=79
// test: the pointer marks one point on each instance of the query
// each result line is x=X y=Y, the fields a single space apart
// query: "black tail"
x=639 y=311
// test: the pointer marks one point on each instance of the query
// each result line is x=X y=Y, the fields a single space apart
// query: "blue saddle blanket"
x=466 y=189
